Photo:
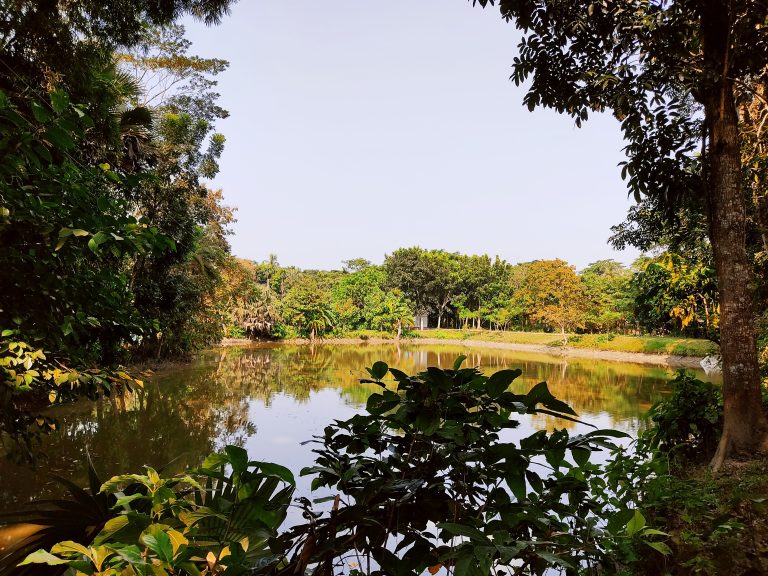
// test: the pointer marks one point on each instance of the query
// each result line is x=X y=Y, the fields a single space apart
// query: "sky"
x=359 y=127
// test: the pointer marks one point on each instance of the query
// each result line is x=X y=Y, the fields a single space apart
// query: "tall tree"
x=672 y=72
x=426 y=277
x=555 y=295
x=307 y=305
x=606 y=282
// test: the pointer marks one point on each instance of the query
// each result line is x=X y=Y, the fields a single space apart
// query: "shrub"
x=690 y=421
x=425 y=479
x=216 y=519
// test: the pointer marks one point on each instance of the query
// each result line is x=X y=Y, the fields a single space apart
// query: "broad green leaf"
x=238 y=458
x=40 y=112
x=276 y=470
x=112 y=527
x=59 y=101
x=636 y=523
x=540 y=394
x=463 y=530
x=215 y=461
x=131 y=554
x=553 y=559
x=70 y=546
x=580 y=455
x=378 y=370
x=459 y=361
x=653 y=532
x=500 y=381
x=59 y=137
x=660 y=547
x=158 y=541
x=125 y=500
x=42 y=557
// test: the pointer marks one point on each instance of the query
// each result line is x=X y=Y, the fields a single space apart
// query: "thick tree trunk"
x=745 y=428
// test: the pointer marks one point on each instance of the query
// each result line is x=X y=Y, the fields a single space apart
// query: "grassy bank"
x=610 y=342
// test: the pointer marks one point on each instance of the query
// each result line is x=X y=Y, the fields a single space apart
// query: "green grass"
x=617 y=343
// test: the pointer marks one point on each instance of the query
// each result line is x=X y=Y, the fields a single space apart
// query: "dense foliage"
x=686 y=81
x=219 y=517
x=111 y=241
x=664 y=294
x=430 y=476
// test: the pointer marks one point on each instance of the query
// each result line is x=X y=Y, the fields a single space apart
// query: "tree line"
x=663 y=294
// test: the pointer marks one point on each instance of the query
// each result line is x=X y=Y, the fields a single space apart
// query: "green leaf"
x=660 y=547
x=215 y=461
x=580 y=455
x=459 y=361
x=238 y=457
x=500 y=381
x=112 y=527
x=42 y=557
x=40 y=113
x=635 y=524
x=516 y=482
x=540 y=394
x=463 y=530
x=124 y=500
x=553 y=559
x=378 y=370
x=159 y=542
x=276 y=470
x=97 y=240
x=59 y=137
x=132 y=555
x=59 y=101
x=69 y=546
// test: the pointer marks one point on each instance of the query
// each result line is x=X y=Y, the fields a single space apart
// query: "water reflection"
x=270 y=398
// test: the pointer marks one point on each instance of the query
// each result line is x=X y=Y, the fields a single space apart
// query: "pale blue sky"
x=358 y=127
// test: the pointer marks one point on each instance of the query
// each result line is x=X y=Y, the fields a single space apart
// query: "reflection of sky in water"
x=271 y=398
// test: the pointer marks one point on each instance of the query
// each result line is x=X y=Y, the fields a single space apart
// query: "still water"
x=271 y=398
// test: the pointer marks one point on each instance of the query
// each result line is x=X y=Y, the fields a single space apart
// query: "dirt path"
x=609 y=355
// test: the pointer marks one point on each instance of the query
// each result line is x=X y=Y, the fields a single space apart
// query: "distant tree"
x=392 y=312
x=427 y=278
x=355 y=265
x=354 y=293
x=606 y=283
x=308 y=307
x=555 y=295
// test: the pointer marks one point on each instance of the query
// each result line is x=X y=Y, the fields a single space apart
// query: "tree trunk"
x=439 y=318
x=745 y=429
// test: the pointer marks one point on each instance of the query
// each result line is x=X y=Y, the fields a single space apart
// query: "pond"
x=270 y=398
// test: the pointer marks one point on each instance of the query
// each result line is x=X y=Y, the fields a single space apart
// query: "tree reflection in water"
x=186 y=412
